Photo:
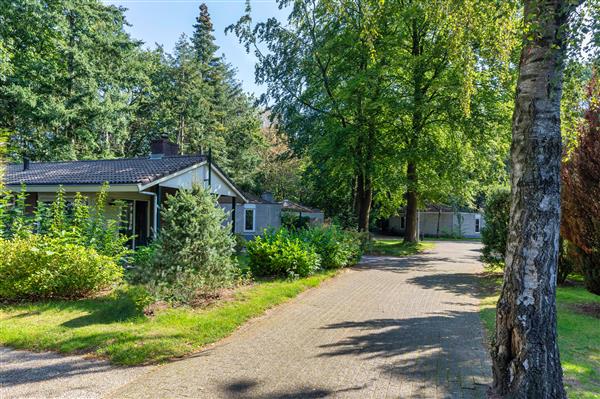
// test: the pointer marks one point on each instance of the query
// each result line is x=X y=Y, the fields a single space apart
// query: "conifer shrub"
x=194 y=252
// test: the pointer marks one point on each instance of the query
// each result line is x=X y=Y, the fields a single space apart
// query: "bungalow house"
x=440 y=221
x=142 y=184
x=256 y=214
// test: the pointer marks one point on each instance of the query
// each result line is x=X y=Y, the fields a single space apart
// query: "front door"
x=141 y=223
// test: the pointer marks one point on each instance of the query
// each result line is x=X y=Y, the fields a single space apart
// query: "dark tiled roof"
x=258 y=199
x=296 y=207
x=113 y=171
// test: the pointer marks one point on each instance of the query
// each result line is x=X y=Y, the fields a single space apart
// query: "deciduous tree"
x=581 y=193
x=526 y=361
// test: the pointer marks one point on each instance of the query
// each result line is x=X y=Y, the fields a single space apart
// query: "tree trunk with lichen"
x=526 y=362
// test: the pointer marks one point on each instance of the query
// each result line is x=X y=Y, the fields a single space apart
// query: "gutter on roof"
x=81 y=187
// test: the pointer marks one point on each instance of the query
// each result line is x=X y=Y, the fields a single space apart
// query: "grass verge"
x=106 y=328
x=578 y=335
x=398 y=247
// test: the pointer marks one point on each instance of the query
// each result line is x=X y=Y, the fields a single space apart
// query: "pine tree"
x=203 y=39
x=232 y=124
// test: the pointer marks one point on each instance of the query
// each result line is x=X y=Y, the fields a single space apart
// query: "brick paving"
x=390 y=328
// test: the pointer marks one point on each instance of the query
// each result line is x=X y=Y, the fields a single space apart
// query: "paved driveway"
x=391 y=328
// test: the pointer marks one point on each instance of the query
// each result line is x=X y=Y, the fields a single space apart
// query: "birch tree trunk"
x=526 y=362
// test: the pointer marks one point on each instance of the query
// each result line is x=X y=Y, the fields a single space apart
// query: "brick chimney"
x=163 y=147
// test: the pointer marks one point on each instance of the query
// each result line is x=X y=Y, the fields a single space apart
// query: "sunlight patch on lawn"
x=101 y=326
x=398 y=247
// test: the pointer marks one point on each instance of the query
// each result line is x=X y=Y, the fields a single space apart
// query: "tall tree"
x=448 y=75
x=67 y=94
x=230 y=114
x=526 y=361
x=327 y=92
x=370 y=91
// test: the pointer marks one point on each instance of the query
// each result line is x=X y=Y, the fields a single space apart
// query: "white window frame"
x=253 y=208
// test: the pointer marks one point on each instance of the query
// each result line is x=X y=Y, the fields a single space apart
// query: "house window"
x=249 y=219
x=402 y=222
x=477 y=225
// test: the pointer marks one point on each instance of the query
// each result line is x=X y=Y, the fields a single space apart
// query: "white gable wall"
x=199 y=175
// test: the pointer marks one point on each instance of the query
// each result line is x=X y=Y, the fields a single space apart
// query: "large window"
x=477 y=225
x=249 y=219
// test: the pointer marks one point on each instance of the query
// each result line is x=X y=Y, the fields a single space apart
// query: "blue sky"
x=163 y=21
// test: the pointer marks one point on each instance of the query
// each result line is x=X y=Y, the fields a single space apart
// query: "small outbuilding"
x=440 y=221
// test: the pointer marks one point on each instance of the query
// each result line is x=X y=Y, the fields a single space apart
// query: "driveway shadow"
x=440 y=350
x=246 y=388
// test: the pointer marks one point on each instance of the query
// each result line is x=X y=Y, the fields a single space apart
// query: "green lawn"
x=578 y=336
x=398 y=247
x=108 y=328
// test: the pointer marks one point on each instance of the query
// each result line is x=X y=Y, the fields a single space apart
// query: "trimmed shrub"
x=40 y=267
x=194 y=252
x=336 y=247
x=494 y=235
x=282 y=253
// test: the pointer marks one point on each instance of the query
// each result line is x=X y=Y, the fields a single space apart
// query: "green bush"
x=141 y=261
x=336 y=247
x=494 y=235
x=194 y=251
x=281 y=253
x=79 y=223
x=293 y=220
x=39 y=267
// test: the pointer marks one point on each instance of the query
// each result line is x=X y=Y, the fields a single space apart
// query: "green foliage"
x=292 y=220
x=77 y=222
x=83 y=88
x=282 y=253
x=362 y=92
x=566 y=260
x=194 y=253
x=495 y=233
x=39 y=267
x=336 y=247
x=303 y=251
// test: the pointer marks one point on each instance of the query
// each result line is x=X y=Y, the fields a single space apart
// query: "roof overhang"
x=82 y=188
x=130 y=187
